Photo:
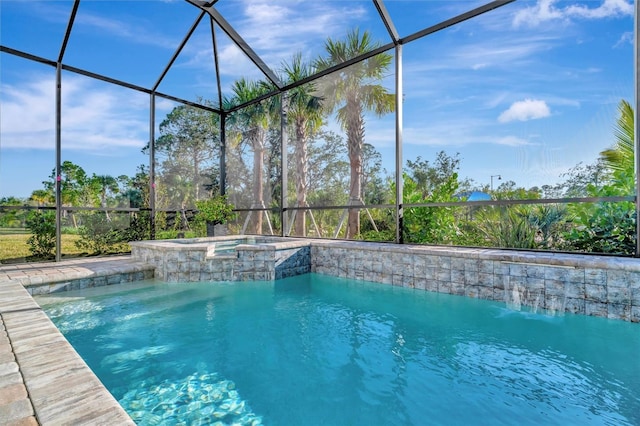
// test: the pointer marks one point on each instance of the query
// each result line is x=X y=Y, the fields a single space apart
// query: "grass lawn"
x=14 y=247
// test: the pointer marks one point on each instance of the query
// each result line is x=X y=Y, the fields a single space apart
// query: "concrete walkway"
x=42 y=378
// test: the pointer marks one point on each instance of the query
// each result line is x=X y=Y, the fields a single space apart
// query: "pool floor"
x=315 y=349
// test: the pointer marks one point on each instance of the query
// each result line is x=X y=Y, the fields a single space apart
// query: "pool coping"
x=42 y=378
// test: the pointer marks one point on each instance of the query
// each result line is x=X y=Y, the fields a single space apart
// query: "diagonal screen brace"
x=238 y=40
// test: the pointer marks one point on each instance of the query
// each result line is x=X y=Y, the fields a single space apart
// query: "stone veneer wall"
x=175 y=262
x=581 y=284
x=89 y=282
x=293 y=261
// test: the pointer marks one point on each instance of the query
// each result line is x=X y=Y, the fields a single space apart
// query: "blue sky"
x=526 y=91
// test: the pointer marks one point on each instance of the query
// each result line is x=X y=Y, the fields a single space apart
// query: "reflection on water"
x=321 y=350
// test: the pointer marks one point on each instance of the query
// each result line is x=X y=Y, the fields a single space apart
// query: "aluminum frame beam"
x=386 y=19
x=58 y=188
x=456 y=20
x=399 y=157
x=238 y=40
x=67 y=34
x=636 y=136
x=216 y=63
x=178 y=50
x=616 y=199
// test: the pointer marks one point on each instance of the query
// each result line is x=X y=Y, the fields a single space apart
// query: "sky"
x=524 y=92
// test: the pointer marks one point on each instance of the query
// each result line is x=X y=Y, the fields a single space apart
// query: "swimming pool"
x=314 y=349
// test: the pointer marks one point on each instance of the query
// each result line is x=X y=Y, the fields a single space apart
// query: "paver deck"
x=43 y=381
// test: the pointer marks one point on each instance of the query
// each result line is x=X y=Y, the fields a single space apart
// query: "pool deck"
x=43 y=381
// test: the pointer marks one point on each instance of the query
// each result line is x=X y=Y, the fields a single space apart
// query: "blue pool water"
x=314 y=350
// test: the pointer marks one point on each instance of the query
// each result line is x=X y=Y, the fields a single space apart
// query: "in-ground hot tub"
x=228 y=258
x=214 y=246
x=559 y=282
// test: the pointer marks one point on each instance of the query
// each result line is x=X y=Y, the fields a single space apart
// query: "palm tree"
x=253 y=121
x=42 y=197
x=621 y=156
x=351 y=92
x=304 y=113
x=105 y=184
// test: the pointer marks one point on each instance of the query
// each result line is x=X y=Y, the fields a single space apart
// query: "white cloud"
x=267 y=13
x=234 y=63
x=511 y=141
x=496 y=99
x=93 y=119
x=448 y=133
x=546 y=10
x=278 y=29
x=440 y=132
x=381 y=133
x=608 y=9
x=625 y=38
x=164 y=105
x=514 y=52
x=529 y=109
x=541 y=12
x=137 y=31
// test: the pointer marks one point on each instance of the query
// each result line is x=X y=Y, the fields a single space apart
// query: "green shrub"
x=173 y=234
x=507 y=227
x=139 y=228
x=42 y=224
x=431 y=225
x=98 y=235
x=604 y=228
x=216 y=210
x=69 y=230
x=383 y=235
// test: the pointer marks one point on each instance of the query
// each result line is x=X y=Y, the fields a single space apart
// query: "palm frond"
x=621 y=157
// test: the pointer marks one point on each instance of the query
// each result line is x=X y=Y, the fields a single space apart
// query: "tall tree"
x=429 y=177
x=187 y=146
x=73 y=187
x=304 y=113
x=73 y=180
x=135 y=190
x=373 y=185
x=104 y=185
x=351 y=92
x=253 y=122
x=42 y=197
x=328 y=178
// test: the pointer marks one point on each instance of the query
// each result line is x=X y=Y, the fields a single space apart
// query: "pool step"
x=75 y=274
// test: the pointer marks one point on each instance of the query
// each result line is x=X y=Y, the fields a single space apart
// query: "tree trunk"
x=258 y=190
x=103 y=204
x=355 y=140
x=301 y=160
x=196 y=175
x=184 y=222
